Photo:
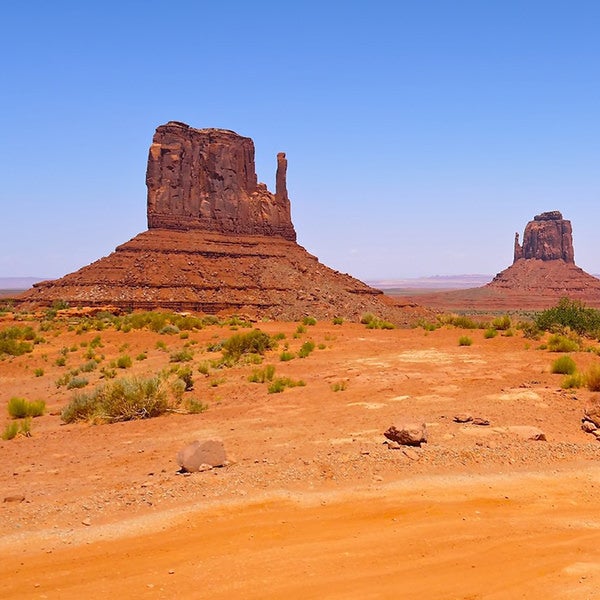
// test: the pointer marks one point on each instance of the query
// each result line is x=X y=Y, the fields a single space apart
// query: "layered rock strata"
x=547 y=237
x=206 y=179
x=543 y=271
x=218 y=241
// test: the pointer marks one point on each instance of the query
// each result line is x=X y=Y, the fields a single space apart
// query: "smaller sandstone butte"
x=547 y=237
x=543 y=271
x=217 y=241
x=206 y=179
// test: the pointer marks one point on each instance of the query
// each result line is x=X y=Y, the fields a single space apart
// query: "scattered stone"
x=588 y=426
x=592 y=412
x=480 y=421
x=87 y=522
x=411 y=454
x=408 y=434
x=202 y=455
x=528 y=432
x=16 y=498
x=463 y=418
x=392 y=445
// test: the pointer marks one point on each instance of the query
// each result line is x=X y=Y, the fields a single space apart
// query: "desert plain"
x=313 y=503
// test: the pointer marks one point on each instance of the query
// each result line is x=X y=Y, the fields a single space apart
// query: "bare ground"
x=313 y=503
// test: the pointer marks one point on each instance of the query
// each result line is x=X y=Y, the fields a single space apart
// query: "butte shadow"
x=217 y=241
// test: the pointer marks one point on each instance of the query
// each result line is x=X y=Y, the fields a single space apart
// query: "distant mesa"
x=543 y=271
x=217 y=241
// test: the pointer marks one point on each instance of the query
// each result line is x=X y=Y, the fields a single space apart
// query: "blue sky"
x=420 y=135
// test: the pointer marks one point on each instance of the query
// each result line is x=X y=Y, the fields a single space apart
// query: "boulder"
x=592 y=412
x=196 y=456
x=407 y=434
x=463 y=418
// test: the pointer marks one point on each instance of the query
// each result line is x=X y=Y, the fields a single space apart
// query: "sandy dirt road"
x=536 y=535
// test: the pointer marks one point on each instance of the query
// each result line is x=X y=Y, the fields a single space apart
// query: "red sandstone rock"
x=542 y=273
x=206 y=179
x=547 y=237
x=218 y=241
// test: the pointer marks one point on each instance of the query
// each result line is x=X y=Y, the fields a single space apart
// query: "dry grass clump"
x=464 y=340
x=564 y=365
x=562 y=343
x=592 y=378
x=20 y=408
x=283 y=382
x=119 y=400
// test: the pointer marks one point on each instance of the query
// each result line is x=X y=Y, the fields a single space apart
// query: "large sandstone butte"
x=217 y=241
x=543 y=271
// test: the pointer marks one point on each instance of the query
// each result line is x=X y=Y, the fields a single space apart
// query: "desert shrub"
x=428 y=325
x=281 y=383
x=464 y=340
x=20 y=408
x=160 y=345
x=177 y=389
x=530 y=330
x=185 y=374
x=141 y=356
x=38 y=372
x=253 y=342
x=61 y=361
x=204 y=367
x=120 y=400
x=262 y=375
x=309 y=321
x=124 y=361
x=564 y=365
x=490 y=333
x=461 y=321
x=88 y=367
x=77 y=383
x=561 y=343
x=169 y=329
x=286 y=355
x=196 y=406
x=107 y=373
x=339 y=386
x=592 y=378
x=338 y=320
x=575 y=380
x=501 y=323
x=572 y=314
x=279 y=336
x=14 y=428
x=16 y=341
x=11 y=430
x=306 y=349
x=183 y=355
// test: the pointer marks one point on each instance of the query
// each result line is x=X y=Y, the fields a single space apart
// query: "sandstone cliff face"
x=218 y=241
x=547 y=237
x=206 y=179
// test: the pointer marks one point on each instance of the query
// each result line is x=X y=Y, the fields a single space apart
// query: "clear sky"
x=420 y=135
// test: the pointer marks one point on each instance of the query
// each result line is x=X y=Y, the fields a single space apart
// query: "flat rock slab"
x=528 y=432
